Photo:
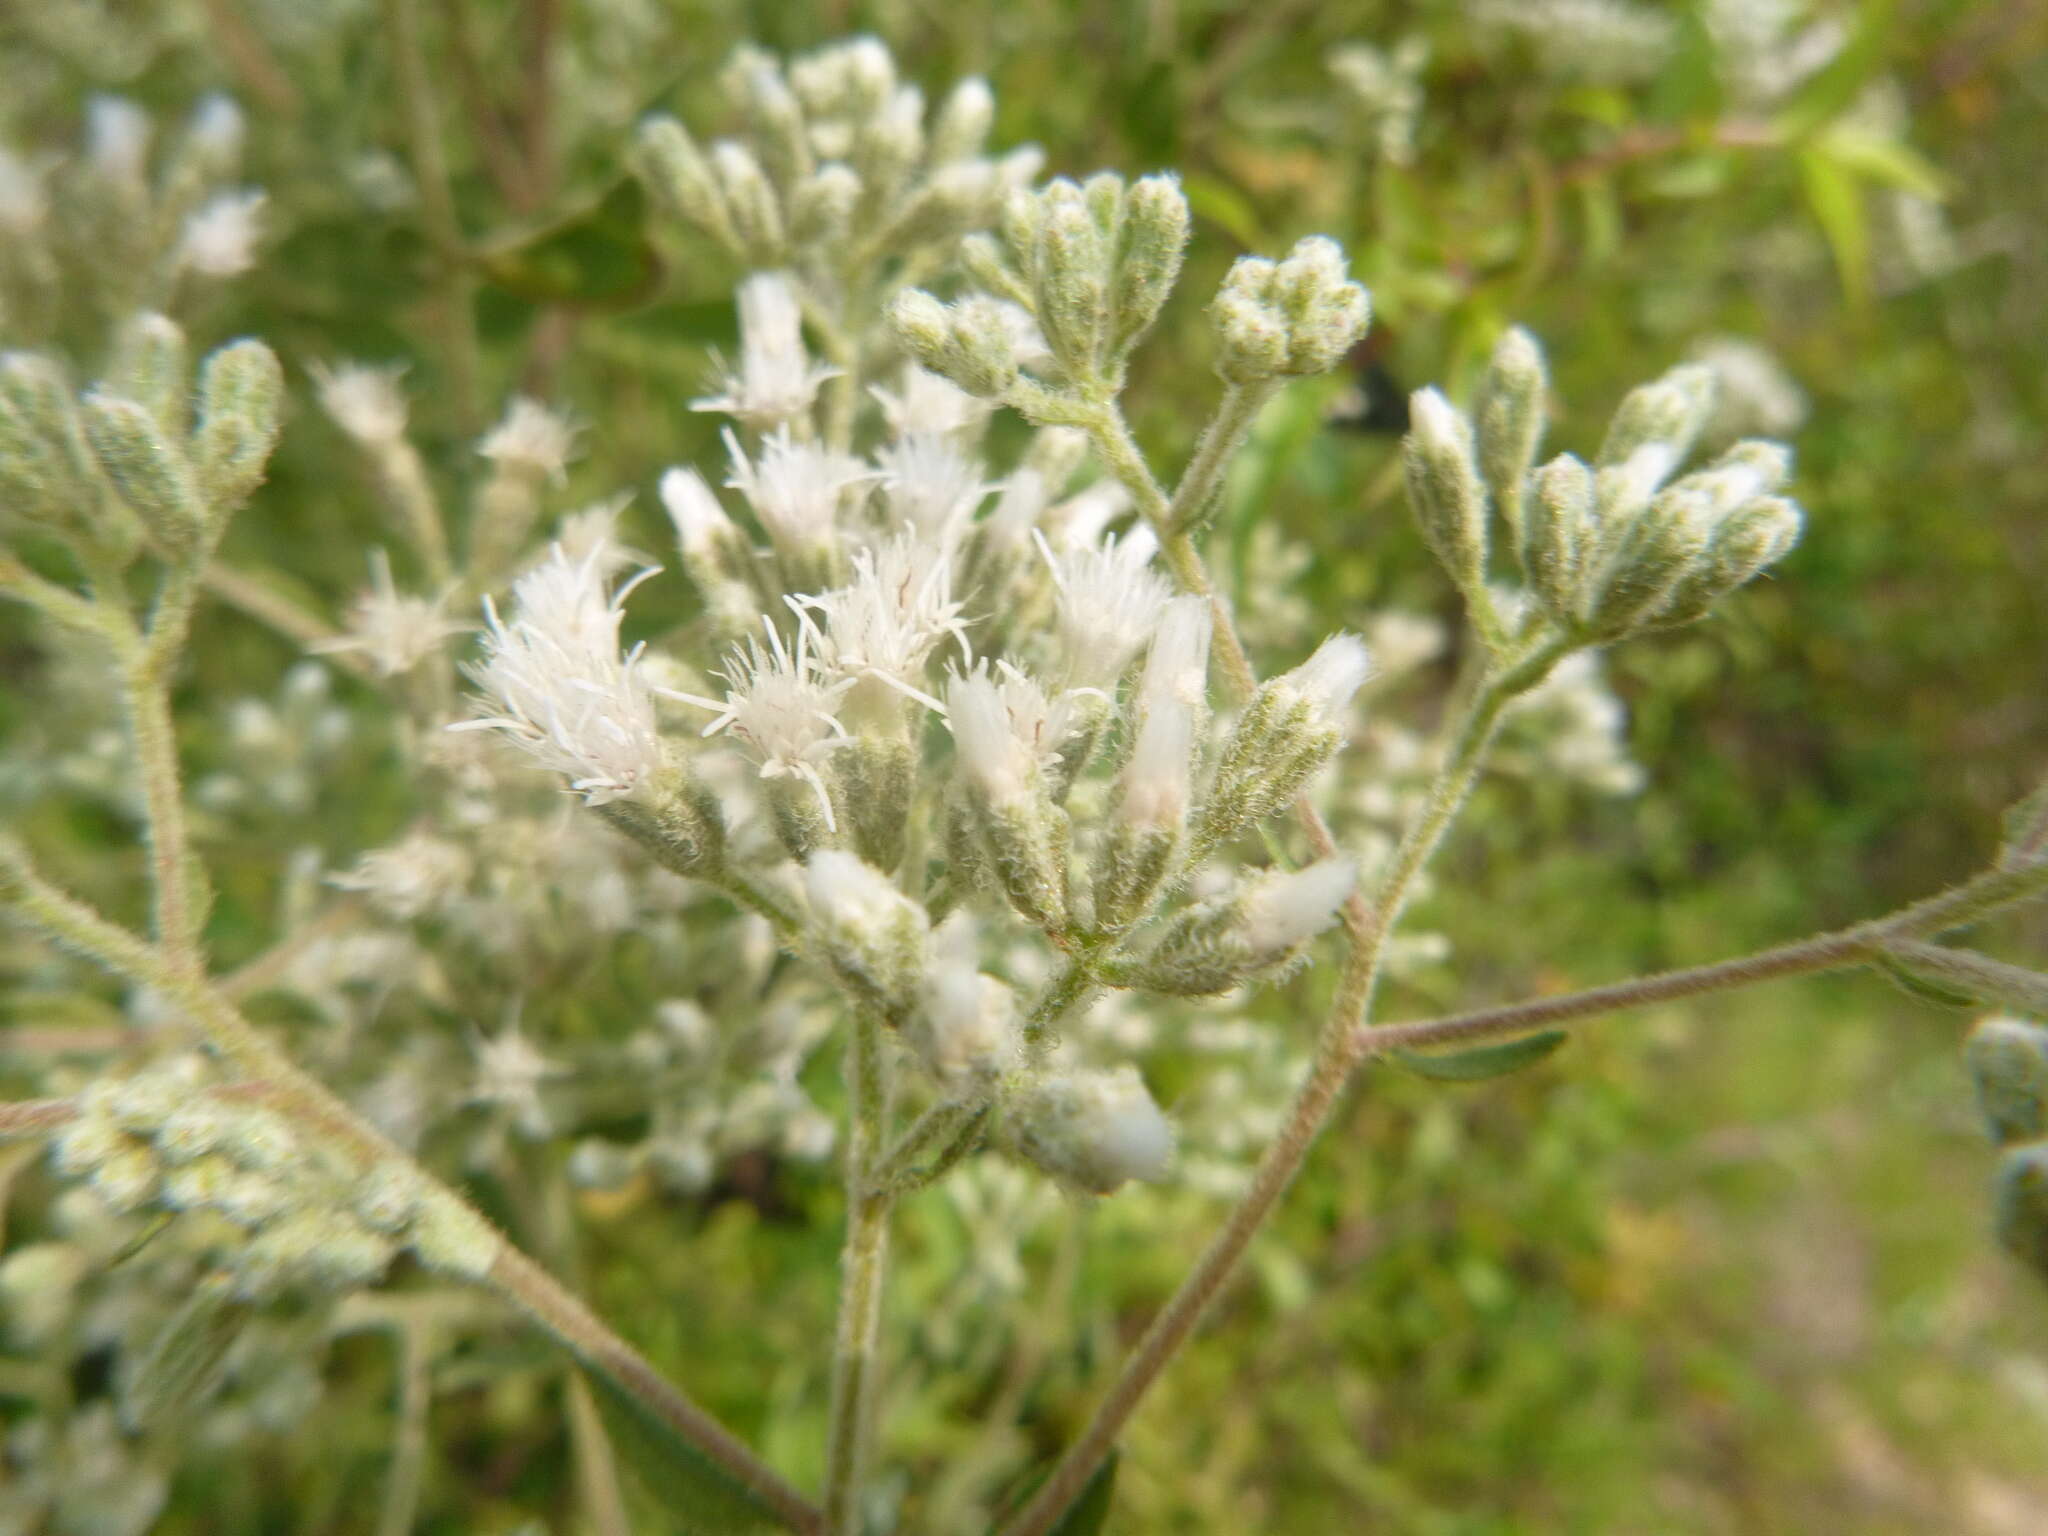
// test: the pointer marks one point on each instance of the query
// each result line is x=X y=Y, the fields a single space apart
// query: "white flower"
x=1005 y=728
x=1177 y=665
x=217 y=128
x=568 y=696
x=1109 y=603
x=1157 y=778
x=1329 y=678
x=23 y=203
x=509 y=1072
x=365 y=402
x=394 y=630
x=966 y=1029
x=1401 y=642
x=932 y=483
x=220 y=235
x=795 y=488
x=1022 y=502
x=591 y=532
x=531 y=437
x=775 y=381
x=1094 y=1129
x=700 y=521
x=778 y=702
x=117 y=133
x=1078 y=522
x=887 y=621
x=1281 y=911
x=929 y=402
x=409 y=878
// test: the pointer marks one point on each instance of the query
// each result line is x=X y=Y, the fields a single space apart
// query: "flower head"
x=887 y=621
x=567 y=695
x=932 y=483
x=394 y=630
x=1006 y=728
x=531 y=437
x=775 y=380
x=796 y=489
x=778 y=701
x=1109 y=603
x=365 y=402
x=220 y=235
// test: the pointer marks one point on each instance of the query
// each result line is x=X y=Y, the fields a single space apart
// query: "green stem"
x=1203 y=478
x=863 y=1272
x=437 y=204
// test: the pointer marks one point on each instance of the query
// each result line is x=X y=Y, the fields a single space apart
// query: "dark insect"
x=1375 y=402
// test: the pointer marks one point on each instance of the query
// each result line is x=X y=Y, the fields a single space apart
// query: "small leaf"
x=186 y=1360
x=697 y=1496
x=1962 y=978
x=1836 y=198
x=1482 y=1061
x=598 y=259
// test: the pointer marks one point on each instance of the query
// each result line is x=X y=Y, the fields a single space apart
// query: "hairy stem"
x=1337 y=1054
x=863 y=1271
x=277 y=1081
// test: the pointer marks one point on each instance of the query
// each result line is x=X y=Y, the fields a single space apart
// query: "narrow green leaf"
x=182 y=1365
x=598 y=259
x=1885 y=161
x=1836 y=198
x=696 y=1496
x=1962 y=978
x=1482 y=1061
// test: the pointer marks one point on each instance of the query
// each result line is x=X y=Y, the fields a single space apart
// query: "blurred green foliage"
x=1719 y=1269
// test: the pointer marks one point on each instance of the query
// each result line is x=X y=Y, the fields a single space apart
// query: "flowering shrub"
x=960 y=773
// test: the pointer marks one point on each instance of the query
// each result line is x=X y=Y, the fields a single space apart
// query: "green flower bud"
x=753 y=79
x=2008 y=1061
x=1444 y=488
x=1318 y=313
x=1070 y=293
x=960 y=131
x=981 y=258
x=1668 y=412
x=680 y=178
x=821 y=207
x=1155 y=238
x=1560 y=537
x=1509 y=416
x=150 y=472
x=151 y=366
x=750 y=203
x=2021 y=1201
x=241 y=388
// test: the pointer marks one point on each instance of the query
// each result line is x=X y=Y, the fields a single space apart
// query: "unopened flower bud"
x=151 y=472
x=151 y=366
x=1668 y=412
x=2021 y=1199
x=1444 y=489
x=1317 y=312
x=1070 y=291
x=873 y=933
x=1291 y=727
x=1093 y=1131
x=965 y=1028
x=1560 y=537
x=2008 y=1060
x=981 y=258
x=681 y=179
x=241 y=388
x=821 y=207
x=1509 y=416
x=960 y=130
x=1155 y=237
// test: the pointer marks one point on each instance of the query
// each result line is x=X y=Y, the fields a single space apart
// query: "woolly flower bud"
x=821 y=207
x=1005 y=730
x=1291 y=727
x=1560 y=537
x=874 y=934
x=750 y=203
x=1509 y=414
x=2008 y=1060
x=1155 y=237
x=1297 y=316
x=151 y=366
x=965 y=1029
x=970 y=343
x=1093 y=1131
x=1444 y=488
x=680 y=178
x=153 y=474
x=2021 y=1197
x=1283 y=911
x=241 y=391
x=960 y=130
x=1667 y=413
